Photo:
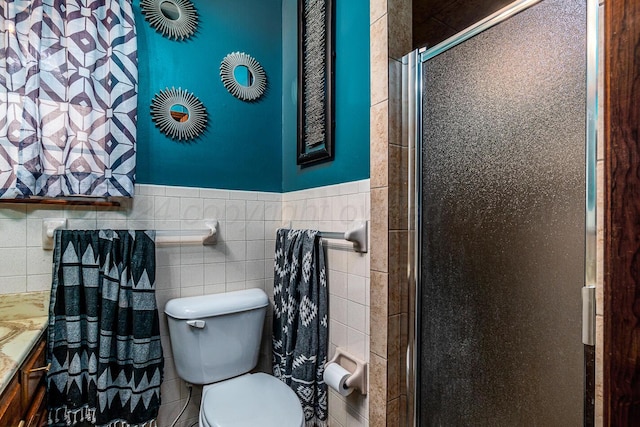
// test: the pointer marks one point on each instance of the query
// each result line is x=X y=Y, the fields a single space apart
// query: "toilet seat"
x=250 y=400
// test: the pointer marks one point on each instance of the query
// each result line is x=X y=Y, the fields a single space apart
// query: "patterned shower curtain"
x=68 y=93
x=104 y=332
x=300 y=333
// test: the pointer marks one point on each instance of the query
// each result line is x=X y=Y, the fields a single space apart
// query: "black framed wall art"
x=316 y=57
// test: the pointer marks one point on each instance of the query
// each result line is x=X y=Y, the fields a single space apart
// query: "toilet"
x=215 y=341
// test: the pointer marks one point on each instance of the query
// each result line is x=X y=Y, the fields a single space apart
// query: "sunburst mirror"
x=178 y=114
x=243 y=76
x=175 y=19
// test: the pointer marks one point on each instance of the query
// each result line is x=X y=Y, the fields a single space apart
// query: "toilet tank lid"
x=216 y=304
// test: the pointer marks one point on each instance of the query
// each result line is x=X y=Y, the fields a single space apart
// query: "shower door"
x=502 y=222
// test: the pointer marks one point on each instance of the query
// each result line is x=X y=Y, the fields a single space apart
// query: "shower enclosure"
x=503 y=118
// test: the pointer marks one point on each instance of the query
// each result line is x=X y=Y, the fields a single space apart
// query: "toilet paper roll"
x=335 y=376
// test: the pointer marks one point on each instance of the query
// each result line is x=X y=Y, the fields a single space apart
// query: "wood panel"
x=622 y=214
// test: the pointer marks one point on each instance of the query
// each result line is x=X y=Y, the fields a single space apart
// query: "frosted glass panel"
x=503 y=224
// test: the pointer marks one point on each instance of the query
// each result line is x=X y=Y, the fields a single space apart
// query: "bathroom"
x=254 y=189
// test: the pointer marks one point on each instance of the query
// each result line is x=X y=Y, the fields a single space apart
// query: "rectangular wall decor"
x=316 y=55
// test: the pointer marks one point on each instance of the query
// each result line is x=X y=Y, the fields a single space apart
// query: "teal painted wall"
x=242 y=147
x=351 y=99
x=252 y=146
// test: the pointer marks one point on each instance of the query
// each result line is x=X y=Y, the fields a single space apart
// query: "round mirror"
x=175 y=19
x=170 y=10
x=178 y=114
x=243 y=76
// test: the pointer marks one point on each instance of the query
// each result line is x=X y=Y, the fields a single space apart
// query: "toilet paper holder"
x=357 y=367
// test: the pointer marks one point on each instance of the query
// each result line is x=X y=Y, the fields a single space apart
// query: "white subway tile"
x=39 y=282
x=337 y=260
x=40 y=211
x=255 y=210
x=349 y=187
x=214 y=253
x=255 y=270
x=273 y=211
x=191 y=254
x=100 y=224
x=338 y=284
x=34 y=232
x=191 y=208
x=270 y=197
x=236 y=210
x=143 y=208
x=167 y=277
x=13 y=233
x=235 y=230
x=85 y=212
x=356 y=343
x=140 y=224
x=255 y=249
x=192 y=291
x=254 y=284
x=357 y=263
x=149 y=190
x=243 y=195
x=191 y=275
x=182 y=191
x=338 y=309
x=214 y=289
x=13 y=211
x=210 y=193
x=235 y=271
x=255 y=230
x=214 y=274
x=338 y=333
x=167 y=255
x=214 y=209
x=167 y=208
x=13 y=262
x=364 y=186
x=235 y=286
x=357 y=290
x=338 y=408
x=39 y=261
x=13 y=284
x=237 y=250
x=356 y=317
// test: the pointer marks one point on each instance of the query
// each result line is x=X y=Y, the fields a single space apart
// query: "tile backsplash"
x=242 y=258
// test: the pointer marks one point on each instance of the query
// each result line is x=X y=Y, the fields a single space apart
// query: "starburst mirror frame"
x=189 y=125
x=257 y=83
x=175 y=19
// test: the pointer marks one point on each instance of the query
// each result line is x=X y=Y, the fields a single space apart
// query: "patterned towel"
x=104 y=336
x=300 y=320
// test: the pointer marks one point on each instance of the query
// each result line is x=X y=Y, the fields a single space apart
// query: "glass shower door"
x=502 y=224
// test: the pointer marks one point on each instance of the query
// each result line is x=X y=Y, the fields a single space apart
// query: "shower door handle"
x=589 y=315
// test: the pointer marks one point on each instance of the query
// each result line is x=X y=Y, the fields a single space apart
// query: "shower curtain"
x=103 y=336
x=300 y=320
x=68 y=93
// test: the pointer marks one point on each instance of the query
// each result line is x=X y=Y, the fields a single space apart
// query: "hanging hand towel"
x=104 y=337
x=300 y=320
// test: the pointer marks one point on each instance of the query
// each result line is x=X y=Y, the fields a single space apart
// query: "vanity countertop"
x=23 y=320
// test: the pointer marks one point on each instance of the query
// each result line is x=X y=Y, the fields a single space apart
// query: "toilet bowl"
x=215 y=341
x=248 y=401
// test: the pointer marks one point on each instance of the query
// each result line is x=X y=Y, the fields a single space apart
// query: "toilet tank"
x=215 y=337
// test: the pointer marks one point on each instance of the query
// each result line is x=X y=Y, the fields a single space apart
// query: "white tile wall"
x=242 y=258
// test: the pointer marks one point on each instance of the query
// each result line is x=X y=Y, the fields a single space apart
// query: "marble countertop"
x=23 y=319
